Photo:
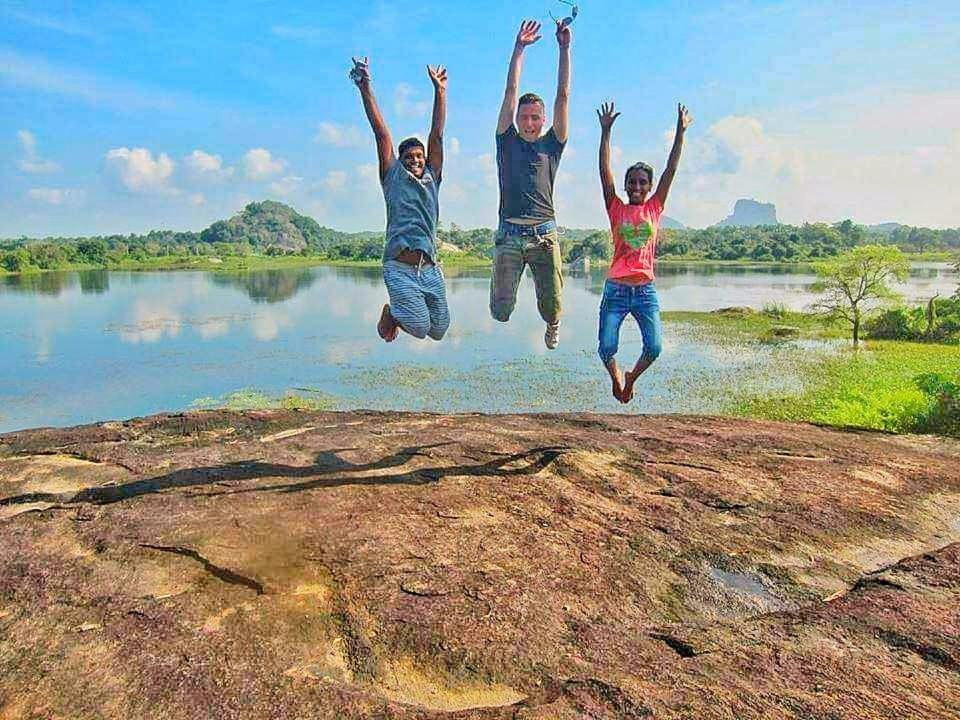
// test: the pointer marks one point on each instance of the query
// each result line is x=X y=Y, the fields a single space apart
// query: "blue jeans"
x=642 y=302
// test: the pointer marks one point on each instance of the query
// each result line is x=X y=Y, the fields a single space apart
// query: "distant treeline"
x=270 y=229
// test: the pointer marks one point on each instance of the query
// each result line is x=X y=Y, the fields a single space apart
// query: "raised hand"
x=564 y=33
x=684 y=118
x=607 y=115
x=529 y=33
x=360 y=74
x=438 y=75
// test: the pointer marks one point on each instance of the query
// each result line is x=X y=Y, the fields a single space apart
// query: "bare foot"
x=629 y=378
x=617 y=385
x=387 y=327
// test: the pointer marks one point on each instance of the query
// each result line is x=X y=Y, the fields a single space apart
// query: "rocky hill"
x=748 y=213
x=270 y=224
x=280 y=564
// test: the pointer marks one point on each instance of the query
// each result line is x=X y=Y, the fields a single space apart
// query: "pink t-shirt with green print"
x=634 y=229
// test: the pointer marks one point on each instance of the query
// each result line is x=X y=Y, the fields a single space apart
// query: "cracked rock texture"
x=284 y=564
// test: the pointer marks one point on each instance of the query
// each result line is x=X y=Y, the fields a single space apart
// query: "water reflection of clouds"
x=150 y=322
x=267 y=325
x=213 y=328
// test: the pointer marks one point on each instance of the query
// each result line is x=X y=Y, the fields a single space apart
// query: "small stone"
x=785 y=331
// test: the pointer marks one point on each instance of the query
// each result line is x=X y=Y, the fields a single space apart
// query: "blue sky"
x=123 y=117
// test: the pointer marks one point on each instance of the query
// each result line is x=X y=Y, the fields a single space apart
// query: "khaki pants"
x=511 y=255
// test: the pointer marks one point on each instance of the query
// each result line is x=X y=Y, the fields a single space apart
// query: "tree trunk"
x=931 y=316
x=856 y=328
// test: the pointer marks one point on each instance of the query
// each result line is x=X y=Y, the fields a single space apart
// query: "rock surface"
x=281 y=564
x=750 y=213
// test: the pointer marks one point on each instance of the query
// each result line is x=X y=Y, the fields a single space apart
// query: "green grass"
x=875 y=388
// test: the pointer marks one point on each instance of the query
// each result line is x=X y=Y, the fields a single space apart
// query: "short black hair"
x=639 y=166
x=529 y=99
x=410 y=142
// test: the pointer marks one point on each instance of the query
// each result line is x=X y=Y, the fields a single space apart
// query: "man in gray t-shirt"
x=411 y=190
x=527 y=163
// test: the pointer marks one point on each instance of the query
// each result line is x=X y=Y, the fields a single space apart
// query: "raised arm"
x=529 y=33
x=385 y=154
x=684 y=120
x=607 y=117
x=438 y=76
x=560 y=105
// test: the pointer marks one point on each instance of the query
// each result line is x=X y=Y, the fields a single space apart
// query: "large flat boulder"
x=283 y=564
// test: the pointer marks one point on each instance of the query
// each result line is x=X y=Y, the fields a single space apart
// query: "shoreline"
x=175 y=263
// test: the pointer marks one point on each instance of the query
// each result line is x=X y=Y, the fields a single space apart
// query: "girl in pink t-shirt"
x=629 y=287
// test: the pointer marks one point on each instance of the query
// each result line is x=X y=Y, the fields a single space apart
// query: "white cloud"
x=38 y=167
x=405 y=103
x=197 y=199
x=140 y=172
x=205 y=166
x=342 y=136
x=32 y=163
x=488 y=168
x=736 y=157
x=56 y=196
x=28 y=141
x=454 y=192
x=368 y=171
x=828 y=159
x=286 y=186
x=335 y=180
x=259 y=164
x=454 y=146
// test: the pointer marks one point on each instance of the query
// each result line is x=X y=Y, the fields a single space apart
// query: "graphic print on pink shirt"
x=635 y=229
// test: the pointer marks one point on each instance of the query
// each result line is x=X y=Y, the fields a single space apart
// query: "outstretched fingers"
x=607 y=114
x=529 y=32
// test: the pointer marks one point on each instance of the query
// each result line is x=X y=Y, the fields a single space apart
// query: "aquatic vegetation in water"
x=253 y=399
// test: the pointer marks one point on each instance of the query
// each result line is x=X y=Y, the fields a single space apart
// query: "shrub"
x=776 y=310
x=943 y=416
x=898 y=323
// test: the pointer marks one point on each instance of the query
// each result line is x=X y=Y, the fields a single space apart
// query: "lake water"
x=83 y=347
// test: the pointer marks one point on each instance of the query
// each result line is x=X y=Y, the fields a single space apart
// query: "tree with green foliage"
x=956 y=269
x=18 y=261
x=853 y=282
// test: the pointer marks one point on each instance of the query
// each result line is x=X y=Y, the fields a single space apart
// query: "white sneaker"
x=552 y=336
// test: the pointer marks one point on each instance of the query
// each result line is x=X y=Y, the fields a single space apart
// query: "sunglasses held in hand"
x=570 y=18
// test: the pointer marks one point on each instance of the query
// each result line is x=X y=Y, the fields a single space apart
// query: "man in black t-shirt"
x=527 y=165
